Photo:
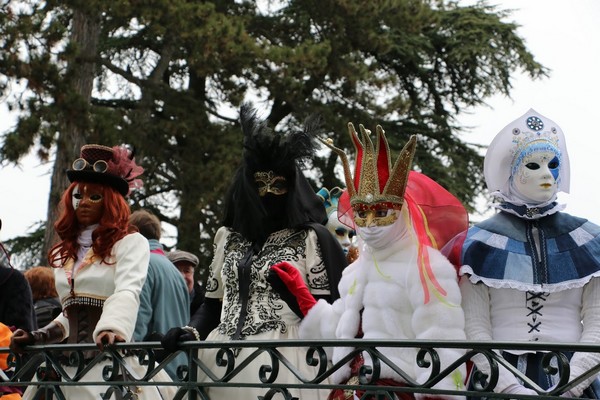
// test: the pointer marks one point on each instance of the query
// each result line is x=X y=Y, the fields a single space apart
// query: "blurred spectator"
x=164 y=301
x=7 y=392
x=186 y=263
x=16 y=302
x=16 y=311
x=45 y=298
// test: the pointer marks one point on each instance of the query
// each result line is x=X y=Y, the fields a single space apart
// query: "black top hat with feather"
x=283 y=153
x=112 y=166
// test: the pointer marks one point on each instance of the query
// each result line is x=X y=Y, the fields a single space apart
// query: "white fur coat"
x=385 y=284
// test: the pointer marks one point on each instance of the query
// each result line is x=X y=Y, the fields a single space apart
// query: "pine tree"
x=169 y=75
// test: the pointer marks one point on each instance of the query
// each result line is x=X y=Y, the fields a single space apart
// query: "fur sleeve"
x=440 y=318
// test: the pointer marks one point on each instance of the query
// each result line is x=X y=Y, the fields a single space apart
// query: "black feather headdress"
x=284 y=154
x=267 y=150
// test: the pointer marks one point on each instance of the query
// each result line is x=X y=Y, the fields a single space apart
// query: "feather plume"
x=123 y=165
x=265 y=149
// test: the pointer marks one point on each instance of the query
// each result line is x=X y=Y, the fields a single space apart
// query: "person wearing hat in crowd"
x=401 y=287
x=530 y=272
x=186 y=263
x=100 y=265
x=344 y=234
x=164 y=300
x=272 y=214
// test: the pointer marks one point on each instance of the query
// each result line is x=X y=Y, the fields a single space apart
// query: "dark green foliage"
x=25 y=251
x=169 y=77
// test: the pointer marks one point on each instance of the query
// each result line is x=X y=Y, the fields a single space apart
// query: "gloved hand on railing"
x=288 y=283
x=51 y=333
x=170 y=341
x=159 y=354
x=204 y=320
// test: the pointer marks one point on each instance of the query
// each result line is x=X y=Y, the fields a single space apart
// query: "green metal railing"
x=44 y=366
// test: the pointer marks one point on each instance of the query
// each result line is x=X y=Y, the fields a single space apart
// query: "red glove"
x=286 y=273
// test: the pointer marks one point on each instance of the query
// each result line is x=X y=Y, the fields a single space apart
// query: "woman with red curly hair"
x=100 y=265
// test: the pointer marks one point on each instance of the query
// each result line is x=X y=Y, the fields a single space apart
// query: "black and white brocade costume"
x=262 y=227
x=266 y=312
x=268 y=316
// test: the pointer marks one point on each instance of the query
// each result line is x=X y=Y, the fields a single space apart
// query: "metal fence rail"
x=45 y=366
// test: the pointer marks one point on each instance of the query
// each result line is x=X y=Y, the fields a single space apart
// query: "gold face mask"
x=375 y=217
x=268 y=182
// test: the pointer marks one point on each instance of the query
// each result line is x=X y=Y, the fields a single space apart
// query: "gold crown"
x=375 y=181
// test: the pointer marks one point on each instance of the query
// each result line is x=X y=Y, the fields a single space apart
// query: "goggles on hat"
x=99 y=166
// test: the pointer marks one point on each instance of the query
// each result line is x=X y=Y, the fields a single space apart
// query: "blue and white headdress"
x=528 y=134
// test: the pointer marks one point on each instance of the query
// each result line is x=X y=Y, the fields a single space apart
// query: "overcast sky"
x=563 y=35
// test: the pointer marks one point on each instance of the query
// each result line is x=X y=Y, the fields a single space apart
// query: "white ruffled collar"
x=84 y=240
